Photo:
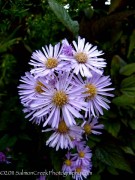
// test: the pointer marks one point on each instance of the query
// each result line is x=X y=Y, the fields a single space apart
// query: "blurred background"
x=26 y=26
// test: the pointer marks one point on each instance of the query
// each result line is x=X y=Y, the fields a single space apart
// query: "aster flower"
x=64 y=99
x=29 y=88
x=47 y=61
x=91 y=126
x=83 y=156
x=68 y=163
x=81 y=172
x=2 y=157
x=63 y=135
x=85 y=58
x=96 y=90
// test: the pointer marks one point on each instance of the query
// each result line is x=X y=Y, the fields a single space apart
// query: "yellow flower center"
x=60 y=98
x=87 y=128
x=62 y=128
x=91 y=90
x=51 y=63
x=39 y=86
x=68 y=162
x=81 y=154
x=81 y=57
x=78 y=169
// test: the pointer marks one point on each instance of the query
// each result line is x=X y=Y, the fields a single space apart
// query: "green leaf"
x=95 y=177
x=132 y=43
x=91 y=143
x=132 y=123
x=116 y=63
x=128 y=82
x=128 y=69
x=7 y=141
x=116 y=33
x=128 y=150
x=28 y=48
x=12 y=140
x=55 y=158
x=112 y=156
x=112 y=170
x=129 y=91
x=64 y=17
x=128 y=86
x=67 y=177
x=113 y=128
x=124 y=100
x=94 y=138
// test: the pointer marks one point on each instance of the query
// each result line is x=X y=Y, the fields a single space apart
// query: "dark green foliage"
x=26 y=25
x=64 y=17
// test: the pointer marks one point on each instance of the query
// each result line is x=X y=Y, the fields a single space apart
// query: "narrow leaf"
x=132 y=123
x=128 y=150
x=132 y=43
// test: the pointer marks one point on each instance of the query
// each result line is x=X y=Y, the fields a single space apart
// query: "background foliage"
x=27 y=25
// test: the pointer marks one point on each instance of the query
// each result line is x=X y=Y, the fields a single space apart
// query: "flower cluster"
x=65 y=92
x=78 y=164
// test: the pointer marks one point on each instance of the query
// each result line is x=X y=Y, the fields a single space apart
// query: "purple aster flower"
x=2 y=157
x=83 y=156
x=81 y=172
x=91 y=126
x=67 y=49
x=85 y=58
x=29 y=88
x=47 y=61
x=96 y=89
x=63 y=135
x=63 y=100
x=68 y=163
